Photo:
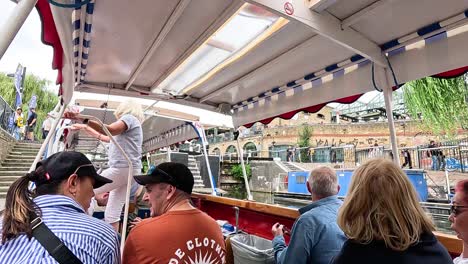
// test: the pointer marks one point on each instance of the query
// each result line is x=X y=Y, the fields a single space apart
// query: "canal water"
x=438 y=213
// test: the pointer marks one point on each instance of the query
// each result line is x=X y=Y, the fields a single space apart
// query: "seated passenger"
x=383 y=220
x=177 y=232
x=64 y=188
x=316 y=237
x=459 y=218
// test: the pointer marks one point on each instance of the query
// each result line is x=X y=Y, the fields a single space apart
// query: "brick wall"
x=361 y=135
x=6 y=144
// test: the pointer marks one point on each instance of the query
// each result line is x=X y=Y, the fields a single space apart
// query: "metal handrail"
x=130 y=176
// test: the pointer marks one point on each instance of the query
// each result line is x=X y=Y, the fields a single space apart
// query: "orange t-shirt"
x=188 y=236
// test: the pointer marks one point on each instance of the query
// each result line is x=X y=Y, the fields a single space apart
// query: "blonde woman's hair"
x=382 y=204
x=130 y=107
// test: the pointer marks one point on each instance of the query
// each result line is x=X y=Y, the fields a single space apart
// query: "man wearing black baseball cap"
x=180 y=232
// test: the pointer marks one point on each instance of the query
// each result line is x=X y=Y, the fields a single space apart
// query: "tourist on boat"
x=459 y=218
x=32 y=120
x=177 y=232
x=383 y=220
x=316 y=237
x=64 y=185
x=128 y=134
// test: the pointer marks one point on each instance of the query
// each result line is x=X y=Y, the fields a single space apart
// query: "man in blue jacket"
x=316 y=237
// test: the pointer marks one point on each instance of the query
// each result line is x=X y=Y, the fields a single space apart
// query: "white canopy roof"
x=257 y=60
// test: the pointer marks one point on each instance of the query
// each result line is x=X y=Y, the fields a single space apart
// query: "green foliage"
x=304 y=142
x=33 y=85
x=236 y=172
x=440 y=102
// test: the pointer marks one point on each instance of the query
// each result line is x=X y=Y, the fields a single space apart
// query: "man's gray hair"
x=323 y=181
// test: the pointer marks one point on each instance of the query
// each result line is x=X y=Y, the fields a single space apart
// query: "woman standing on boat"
x=128 y=134
x=386 y=225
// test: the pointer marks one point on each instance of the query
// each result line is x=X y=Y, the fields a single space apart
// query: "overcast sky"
x=27 y=47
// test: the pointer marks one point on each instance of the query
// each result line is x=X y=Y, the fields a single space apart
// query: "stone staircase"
x=290 y=166
x=16 y=164
x=192 y=165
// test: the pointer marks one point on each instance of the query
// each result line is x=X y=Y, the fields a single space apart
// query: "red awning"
x=50 y=36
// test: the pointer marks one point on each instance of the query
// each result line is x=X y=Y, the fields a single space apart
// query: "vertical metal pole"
x=244 y=172
x=447 y=182
x=208 y=167
x=391 y=124
x=462 y=165
x=201 y=134
x=14 y=23
x=168 y=153
x=148 y=162
x=418 y=158
x=48 y=138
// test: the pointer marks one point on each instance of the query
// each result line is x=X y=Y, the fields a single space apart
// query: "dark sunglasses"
x=455 y=209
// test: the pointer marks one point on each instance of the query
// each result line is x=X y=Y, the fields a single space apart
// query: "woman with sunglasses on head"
x=49 y=224
x=459 y=218
x=383 y=220
x=128 y=134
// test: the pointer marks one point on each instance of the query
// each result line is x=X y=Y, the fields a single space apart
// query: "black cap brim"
x=99 y=181
x=146 y=179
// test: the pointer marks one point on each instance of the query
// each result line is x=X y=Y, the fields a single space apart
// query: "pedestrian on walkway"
x=46 y=125
x=18 y=123
x=32 y=119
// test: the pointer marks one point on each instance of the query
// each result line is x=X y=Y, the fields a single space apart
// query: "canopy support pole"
x=244 y=172
x=47 y=142
x=201 y=134
x=14 y=23
x=168 y=152
x=208 y=167
x=391 y=124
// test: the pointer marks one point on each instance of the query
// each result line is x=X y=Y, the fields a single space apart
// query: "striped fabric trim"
x=81 y=46
x=424 y=36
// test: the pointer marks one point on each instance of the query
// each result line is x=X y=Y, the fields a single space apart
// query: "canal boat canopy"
x=257 y=59
x=253 y=59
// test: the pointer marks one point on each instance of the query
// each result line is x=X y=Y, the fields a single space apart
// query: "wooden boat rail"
x=257 y=218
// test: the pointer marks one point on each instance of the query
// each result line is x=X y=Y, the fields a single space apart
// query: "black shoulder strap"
x=52 y=243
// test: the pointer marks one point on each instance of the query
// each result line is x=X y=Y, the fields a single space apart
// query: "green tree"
x=304 y=142
x=236 y=172
x=440 y=103
x=238 y=191
x=33 y=85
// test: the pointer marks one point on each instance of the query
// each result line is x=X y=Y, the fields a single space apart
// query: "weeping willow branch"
x=440 y=103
